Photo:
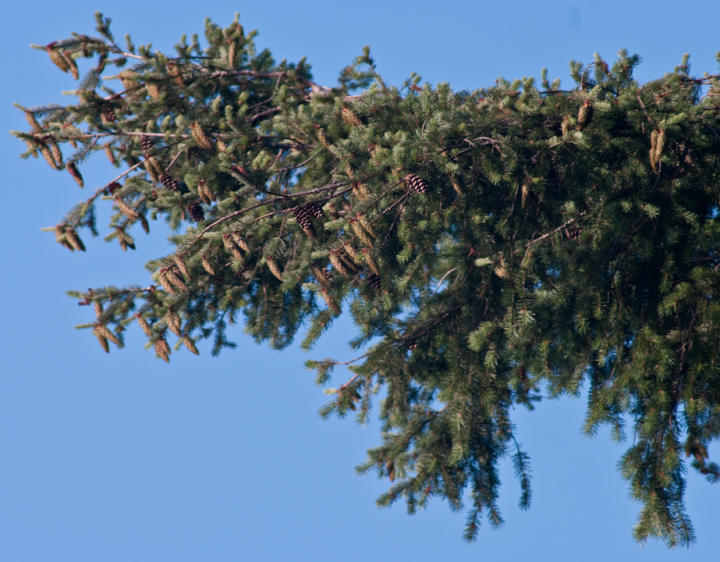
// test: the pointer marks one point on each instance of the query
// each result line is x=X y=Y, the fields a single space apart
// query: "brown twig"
x=277 y=84
x=645 y=110
x=173 y=160
x=558 y=229
x=441 y=280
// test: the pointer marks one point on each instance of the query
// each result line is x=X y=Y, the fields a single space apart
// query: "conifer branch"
x=627 y=307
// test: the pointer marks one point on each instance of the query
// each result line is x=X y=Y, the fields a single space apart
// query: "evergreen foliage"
x=488 y=245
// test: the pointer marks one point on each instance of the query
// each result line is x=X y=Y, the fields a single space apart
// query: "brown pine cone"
x=146 y=143
x=573 y=231
x=108 y=114
x=196 y=212
x=170 y=183
x=315 y=210
x=75 y=173
x=417 y=184
x=303 y=219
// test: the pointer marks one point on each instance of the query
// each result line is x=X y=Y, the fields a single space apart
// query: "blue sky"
x=122 y=457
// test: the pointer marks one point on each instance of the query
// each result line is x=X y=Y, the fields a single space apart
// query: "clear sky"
x=122 y=457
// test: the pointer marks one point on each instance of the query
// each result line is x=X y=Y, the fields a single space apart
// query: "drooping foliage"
x=488 y=245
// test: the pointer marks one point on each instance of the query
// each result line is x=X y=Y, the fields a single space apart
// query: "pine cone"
x=565 y=126
x=103 y=331
x=240 y=241
x=315 y=210
x=417 y=184
x=57 y=153
x=75 y=173
x=347 y=259
x=370 y=262
x=48 y=155
x=74 y=240
x=337 y=262
x=374 y=281
x=33 y=122
x=57 y=58
x=103 y=342
x=321 y=275
x=573 y=231
x=322 y=138
x=196 y=212
x=143 y=324
x=173 y=322
x=352 y=252
x=361 y=191
x=200 y=137
x=350 y=118
x=108 y=114
x=361 y=233
x=152 y=168
x=232 y=247
x=207 y=265
x=175 y=72
x=97 y=305
x=365 y=224
x=273 y=267
x=180 y=263
x=170 y=183
x=331 y=302
x=584 y=115
x=162 y=279
x=232 y=54
x=175 y=280
x=126 y=209
x=205 y=192
x=303 y=219
x=128 y=79
x=124 y=239
x=110 y=154
x=162 y=349
x=72 y=65
x=390 y=467
x=190 y=344
x=146 y=143
x=153 y=90
x=658 y=140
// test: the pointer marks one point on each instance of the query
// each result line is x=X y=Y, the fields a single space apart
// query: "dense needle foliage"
x=488 y=245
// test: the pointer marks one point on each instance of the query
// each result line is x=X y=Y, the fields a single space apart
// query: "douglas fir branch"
x=489 y=245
